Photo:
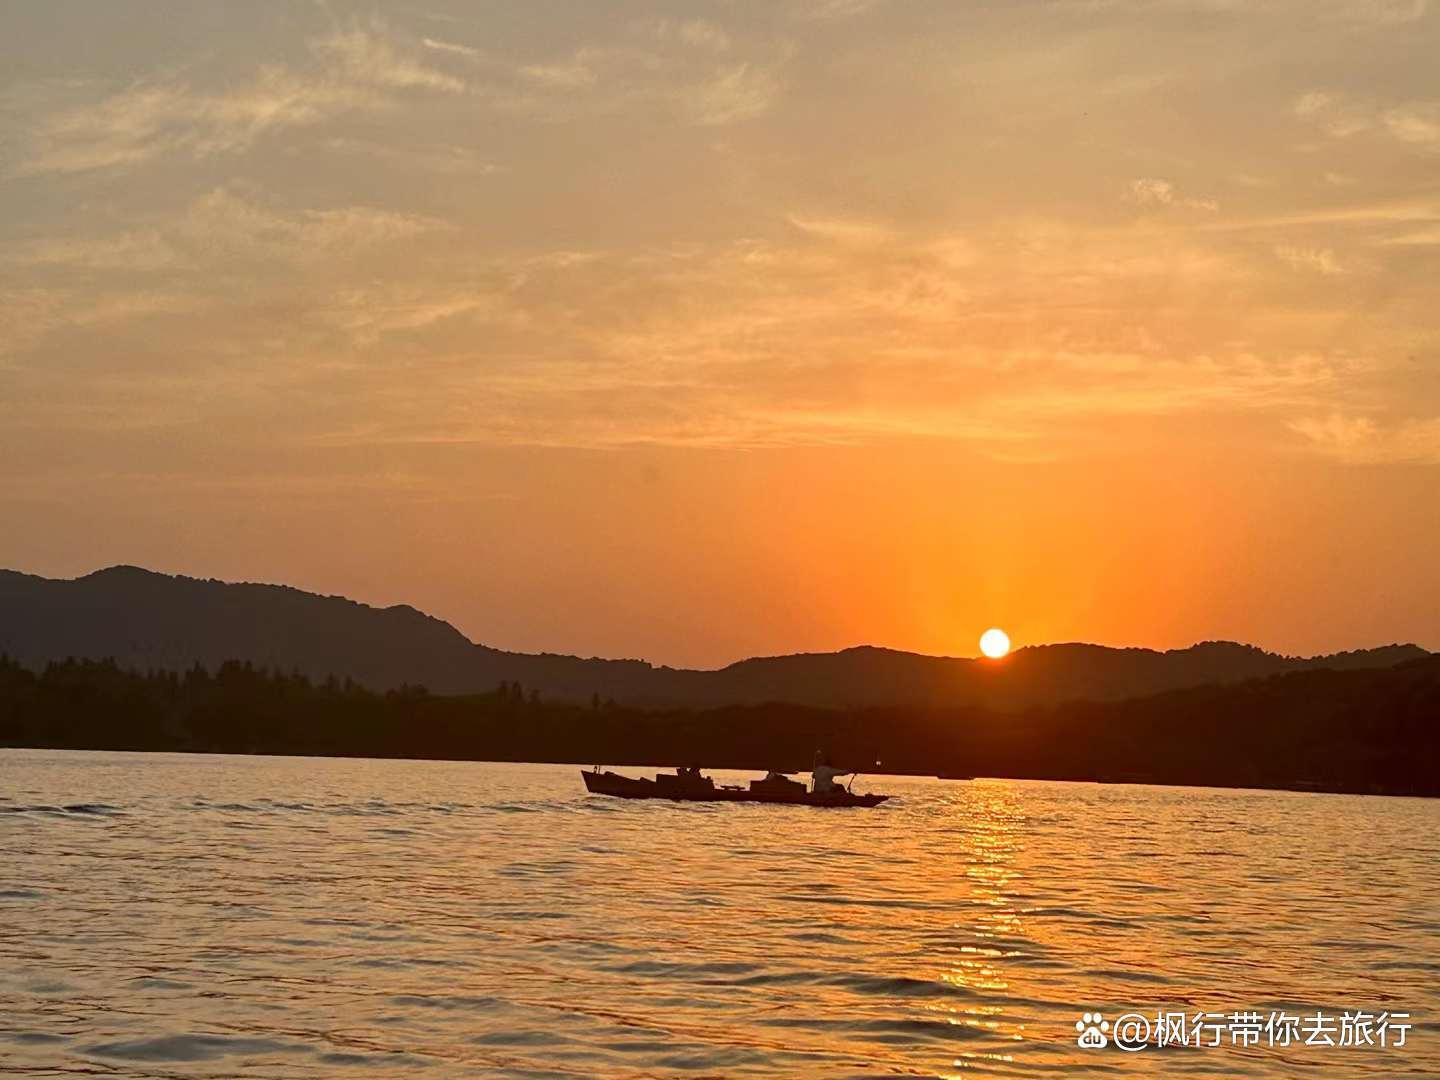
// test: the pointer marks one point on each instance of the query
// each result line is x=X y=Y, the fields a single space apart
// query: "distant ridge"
x=148 y=620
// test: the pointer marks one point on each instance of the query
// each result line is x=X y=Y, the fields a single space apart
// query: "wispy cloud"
x=572 y=74
x=1360 y=439
x=843 y=230
x=134 y=250
x=822 y=10
x=690 y=70
x=28 y=316
x=221 y=226
x=425 y=158
x=1414 y=123
x=1391 y=211
x=1153 y=192
x=698 y=33
x=1417 y=123
x=1418 y=238
x=732 y=93
x=1315 y=260
x=366 y=57
x=367 y=314
x=451 y=47
x=779 y=288
x=1381 y=13
x=227 y=220
x=171 y=114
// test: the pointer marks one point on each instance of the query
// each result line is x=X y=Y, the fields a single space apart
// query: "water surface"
x=216 y=916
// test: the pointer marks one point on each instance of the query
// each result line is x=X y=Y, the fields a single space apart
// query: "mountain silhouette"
x=146 y=620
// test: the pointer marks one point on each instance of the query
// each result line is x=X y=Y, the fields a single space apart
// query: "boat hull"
x=626 y=787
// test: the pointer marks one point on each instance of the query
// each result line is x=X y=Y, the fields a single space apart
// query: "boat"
x=695 y=788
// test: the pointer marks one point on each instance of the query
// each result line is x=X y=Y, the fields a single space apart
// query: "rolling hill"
x=146 y=620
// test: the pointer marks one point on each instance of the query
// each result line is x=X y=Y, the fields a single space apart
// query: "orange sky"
x=695 y=332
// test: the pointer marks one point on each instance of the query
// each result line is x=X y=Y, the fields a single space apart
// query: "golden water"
x=179 y=916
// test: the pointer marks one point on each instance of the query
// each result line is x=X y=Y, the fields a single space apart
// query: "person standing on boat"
x=823 y=774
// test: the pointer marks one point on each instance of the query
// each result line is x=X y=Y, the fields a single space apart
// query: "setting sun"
x=994 y=643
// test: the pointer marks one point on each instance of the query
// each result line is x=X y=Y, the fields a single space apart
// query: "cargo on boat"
x=696 y=788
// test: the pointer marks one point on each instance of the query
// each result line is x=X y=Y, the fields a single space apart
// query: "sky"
x=696 y=331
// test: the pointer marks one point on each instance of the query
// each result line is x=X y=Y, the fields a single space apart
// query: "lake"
x=220 y=916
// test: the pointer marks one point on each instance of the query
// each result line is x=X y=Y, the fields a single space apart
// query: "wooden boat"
x=704 y=789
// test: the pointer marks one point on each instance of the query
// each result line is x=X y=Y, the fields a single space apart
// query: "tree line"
x=1371 y=730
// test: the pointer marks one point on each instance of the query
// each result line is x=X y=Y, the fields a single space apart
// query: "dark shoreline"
x=1364 y=732
x=748 y=767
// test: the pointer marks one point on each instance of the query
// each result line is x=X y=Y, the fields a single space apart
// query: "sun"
x=994 y=643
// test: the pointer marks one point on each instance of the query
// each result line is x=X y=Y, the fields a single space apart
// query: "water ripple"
x=285 y=917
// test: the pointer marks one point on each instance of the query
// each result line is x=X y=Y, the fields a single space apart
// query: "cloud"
x=366 y=314
x=135 y=251
x=732 y=93
x=570 y=75
x=228 y=221
x=451 y=47
x=368 y=58
x=608 y=81
x=1361 y=440
x=1316 y=260
x=843 y=230
x=697 y=33
x=1020 y=338
x=782 y=289
x=850 y=331
x=1389 y=12
x=29 y=315
x=168 y=114
x=223 y=232
x=425 y=158
x=1349 y=13
x=1419 y=238
x=1337 y=116
x=825 y=10
x=1150 y=191
x=1414 y=123
x=689 y=70
x=1394 y=211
